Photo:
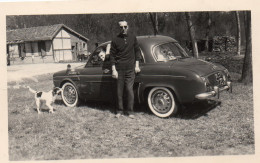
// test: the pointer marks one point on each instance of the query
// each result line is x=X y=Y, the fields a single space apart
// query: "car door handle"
x=106 y=71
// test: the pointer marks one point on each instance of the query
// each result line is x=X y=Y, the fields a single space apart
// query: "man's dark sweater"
x=124 y=51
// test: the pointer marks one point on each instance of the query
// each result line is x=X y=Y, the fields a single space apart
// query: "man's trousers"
x=124 y=86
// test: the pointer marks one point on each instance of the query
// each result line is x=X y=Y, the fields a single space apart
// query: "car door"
x=96 y=79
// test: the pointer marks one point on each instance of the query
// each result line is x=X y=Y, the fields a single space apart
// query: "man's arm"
x=137 y=56
x=113 y=51
x=137 y=50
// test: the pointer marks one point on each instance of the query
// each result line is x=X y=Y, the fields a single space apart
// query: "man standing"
x=124 y=56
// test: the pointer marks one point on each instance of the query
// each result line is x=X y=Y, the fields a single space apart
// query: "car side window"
x=98 y=57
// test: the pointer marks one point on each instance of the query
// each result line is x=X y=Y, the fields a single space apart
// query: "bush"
x=232 y=62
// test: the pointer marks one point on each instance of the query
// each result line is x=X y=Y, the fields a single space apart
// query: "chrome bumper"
x=214 y=93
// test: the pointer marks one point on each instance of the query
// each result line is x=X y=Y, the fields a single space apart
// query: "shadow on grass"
x=197 y=109
x=99 y=105
x=189 y=111
x=59 y=102
x=43 y=109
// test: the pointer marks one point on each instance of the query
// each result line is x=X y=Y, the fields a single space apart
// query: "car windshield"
x=169 y=51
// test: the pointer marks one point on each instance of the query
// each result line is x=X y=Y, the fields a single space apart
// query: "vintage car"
x=169 y=77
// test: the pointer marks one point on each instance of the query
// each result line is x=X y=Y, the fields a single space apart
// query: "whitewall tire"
x=70 y=95
x=161 y=102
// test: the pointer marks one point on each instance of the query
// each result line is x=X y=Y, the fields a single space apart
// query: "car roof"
x=149 y=40
x=154 y=39
x=146 y=44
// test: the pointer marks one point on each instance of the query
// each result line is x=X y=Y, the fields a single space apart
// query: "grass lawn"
x=92 y=131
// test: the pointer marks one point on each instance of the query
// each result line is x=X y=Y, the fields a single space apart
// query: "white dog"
x=47 y=97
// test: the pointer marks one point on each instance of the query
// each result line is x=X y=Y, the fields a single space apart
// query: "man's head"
x=123 y=26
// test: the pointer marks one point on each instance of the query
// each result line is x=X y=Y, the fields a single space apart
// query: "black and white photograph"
x=129 y=84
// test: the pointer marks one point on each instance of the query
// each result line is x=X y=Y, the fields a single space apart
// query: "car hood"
x=64 y=72
x=198 y=66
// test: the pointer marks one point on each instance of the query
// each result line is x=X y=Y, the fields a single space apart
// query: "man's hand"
x=137 y=69
x=114 y=74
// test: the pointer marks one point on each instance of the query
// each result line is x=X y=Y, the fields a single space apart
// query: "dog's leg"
x=38 y=104
x=50 y=107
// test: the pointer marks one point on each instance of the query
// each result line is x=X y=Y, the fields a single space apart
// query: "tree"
x=238 y=33
x=192 y=35
x=207 y=31
x=154 y=20
x=247 y=66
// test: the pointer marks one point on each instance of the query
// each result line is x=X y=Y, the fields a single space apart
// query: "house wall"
x=62 y=47
x=23 y=52
x=35 y=50
x=13 y=50
x=32 y=48
x=30 y=60
x=79 y=46
x=81 y=42
x=28 y=49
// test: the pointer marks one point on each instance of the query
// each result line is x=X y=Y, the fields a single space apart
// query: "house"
x=55 y=43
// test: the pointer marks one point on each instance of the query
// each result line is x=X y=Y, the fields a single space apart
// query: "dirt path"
x=19 y=72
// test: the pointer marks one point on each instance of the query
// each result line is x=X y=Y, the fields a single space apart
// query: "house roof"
x=37 y=33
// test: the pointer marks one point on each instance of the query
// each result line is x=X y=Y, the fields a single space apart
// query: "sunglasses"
x=123 y=27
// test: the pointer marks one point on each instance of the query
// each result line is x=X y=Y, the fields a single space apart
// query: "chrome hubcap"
x=70 y=94
x=161 y=101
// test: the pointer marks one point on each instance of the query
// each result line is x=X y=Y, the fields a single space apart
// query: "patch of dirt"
x=16 y=73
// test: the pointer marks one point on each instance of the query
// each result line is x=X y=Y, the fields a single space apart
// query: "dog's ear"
x=56 y=90
x=60 y=90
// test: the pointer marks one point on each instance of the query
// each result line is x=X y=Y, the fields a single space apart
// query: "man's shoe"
x=131 y=116
x=118 y=114
x=125 y=113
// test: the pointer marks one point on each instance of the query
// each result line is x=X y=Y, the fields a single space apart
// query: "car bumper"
x=214 y=93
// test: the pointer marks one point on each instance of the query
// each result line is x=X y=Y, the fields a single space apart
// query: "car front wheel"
x=161 y=102
x=70 y=95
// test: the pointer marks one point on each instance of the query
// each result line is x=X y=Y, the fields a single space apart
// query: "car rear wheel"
x=70 y=95
x=161 y=102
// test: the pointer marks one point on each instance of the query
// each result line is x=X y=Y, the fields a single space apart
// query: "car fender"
x=74 y=82
x=144 y=87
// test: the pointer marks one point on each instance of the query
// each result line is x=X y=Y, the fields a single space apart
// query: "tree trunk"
x=154 y=20
x=238 y=34
x=207 y=32
x=247 y=76
x=156 y=23
x=192 y=35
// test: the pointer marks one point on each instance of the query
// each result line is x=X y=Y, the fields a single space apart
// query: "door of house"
x=42 y=48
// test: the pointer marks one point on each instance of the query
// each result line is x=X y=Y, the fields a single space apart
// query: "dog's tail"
x=30 y=89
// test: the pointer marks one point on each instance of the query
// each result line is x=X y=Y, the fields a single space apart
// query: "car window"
x=169 y=51
x=99 y=56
